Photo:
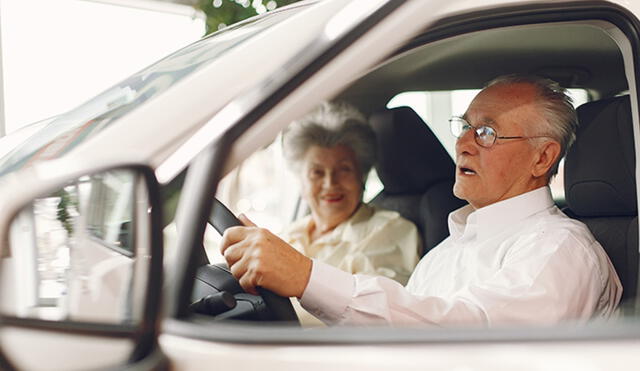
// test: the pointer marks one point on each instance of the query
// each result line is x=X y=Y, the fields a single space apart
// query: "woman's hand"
x=257 y=257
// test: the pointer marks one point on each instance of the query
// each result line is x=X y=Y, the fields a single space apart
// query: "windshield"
x=14 y=139
x=74 y=127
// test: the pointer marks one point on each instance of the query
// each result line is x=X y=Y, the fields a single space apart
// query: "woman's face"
x=331 y=184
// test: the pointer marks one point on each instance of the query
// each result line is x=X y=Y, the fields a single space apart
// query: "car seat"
x=600 y=185
x=416 y=171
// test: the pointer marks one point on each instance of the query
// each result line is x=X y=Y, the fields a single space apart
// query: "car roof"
x=576 y=54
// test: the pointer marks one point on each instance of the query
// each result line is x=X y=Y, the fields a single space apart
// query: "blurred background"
x=56 y=54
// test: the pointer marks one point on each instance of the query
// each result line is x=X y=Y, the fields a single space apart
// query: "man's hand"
x=257 y=257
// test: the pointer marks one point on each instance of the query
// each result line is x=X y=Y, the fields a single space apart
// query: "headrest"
x=410 y=157
x=599 y=171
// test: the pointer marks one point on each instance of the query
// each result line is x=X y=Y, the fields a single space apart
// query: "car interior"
x=599 y=180
x=601 y=188
x=599 y=170
x=417 y=171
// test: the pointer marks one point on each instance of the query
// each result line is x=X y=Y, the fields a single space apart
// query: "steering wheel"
x=278 y=308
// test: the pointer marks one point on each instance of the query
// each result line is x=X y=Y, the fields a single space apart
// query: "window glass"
x=263 y=188
x=109 y=203
x=15 y=138
x=435 y=107
x=266 y=190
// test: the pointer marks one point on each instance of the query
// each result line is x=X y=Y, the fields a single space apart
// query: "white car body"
x=169 y=131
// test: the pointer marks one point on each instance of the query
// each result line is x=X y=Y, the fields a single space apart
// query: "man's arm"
x=259 y=258
x=337 y=297
x=530 y=288
x=563 y=284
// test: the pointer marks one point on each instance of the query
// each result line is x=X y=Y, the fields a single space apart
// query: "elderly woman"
x=332 y=150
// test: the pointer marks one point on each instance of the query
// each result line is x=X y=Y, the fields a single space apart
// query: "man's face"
x=488 y=175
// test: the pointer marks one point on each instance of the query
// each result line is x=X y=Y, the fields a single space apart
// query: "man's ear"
x=547 y=154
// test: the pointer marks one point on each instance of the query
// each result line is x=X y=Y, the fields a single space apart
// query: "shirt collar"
x=492 y=219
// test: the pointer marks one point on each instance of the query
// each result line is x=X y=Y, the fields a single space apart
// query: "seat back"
x=416 y=171
x=600 y=184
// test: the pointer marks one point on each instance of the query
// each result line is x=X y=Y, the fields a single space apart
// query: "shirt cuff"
x=328 y=292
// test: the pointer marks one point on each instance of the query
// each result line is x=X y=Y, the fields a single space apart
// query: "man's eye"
x=485 y=131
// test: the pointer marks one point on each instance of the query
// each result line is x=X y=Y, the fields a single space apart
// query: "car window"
x=109 y=202
x=447 y=89
x=266 y=190
x=262 y=188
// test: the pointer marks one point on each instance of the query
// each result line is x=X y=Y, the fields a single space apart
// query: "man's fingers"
x=246 y=282
x=240 y=271
x=246 y=221
x=246 y=276
x=232 y=236
x=233 y=253
x=238 y=268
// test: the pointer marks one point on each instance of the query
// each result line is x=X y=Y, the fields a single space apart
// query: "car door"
x=191 y=343
x=82 y=253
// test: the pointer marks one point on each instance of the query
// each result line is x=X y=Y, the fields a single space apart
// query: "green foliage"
x=63 y=214
x=222 y=13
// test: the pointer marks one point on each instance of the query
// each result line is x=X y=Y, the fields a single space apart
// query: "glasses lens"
x=485 y=136
x=458 y=126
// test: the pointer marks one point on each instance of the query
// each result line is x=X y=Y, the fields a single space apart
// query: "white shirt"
x=518 y=261
x=372 y=241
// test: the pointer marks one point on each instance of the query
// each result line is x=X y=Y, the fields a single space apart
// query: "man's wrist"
x=328 y=292
x=305 y=276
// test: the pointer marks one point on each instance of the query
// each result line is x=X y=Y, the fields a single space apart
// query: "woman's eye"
x=316 y=173
x=345 y=169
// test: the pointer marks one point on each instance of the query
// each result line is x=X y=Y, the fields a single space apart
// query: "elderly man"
x=512 y=256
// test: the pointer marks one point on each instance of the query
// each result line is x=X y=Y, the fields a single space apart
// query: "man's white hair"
x=556 y=107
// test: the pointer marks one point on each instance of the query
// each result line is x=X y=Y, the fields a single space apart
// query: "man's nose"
x=466 y=143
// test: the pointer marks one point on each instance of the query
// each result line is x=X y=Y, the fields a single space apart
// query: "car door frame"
x=215 y=157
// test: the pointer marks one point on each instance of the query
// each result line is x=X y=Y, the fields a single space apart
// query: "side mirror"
x=81 y=273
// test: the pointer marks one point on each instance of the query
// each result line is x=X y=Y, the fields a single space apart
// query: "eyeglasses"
x=485 y=136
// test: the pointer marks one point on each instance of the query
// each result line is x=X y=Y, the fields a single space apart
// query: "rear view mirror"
x=84 y=256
